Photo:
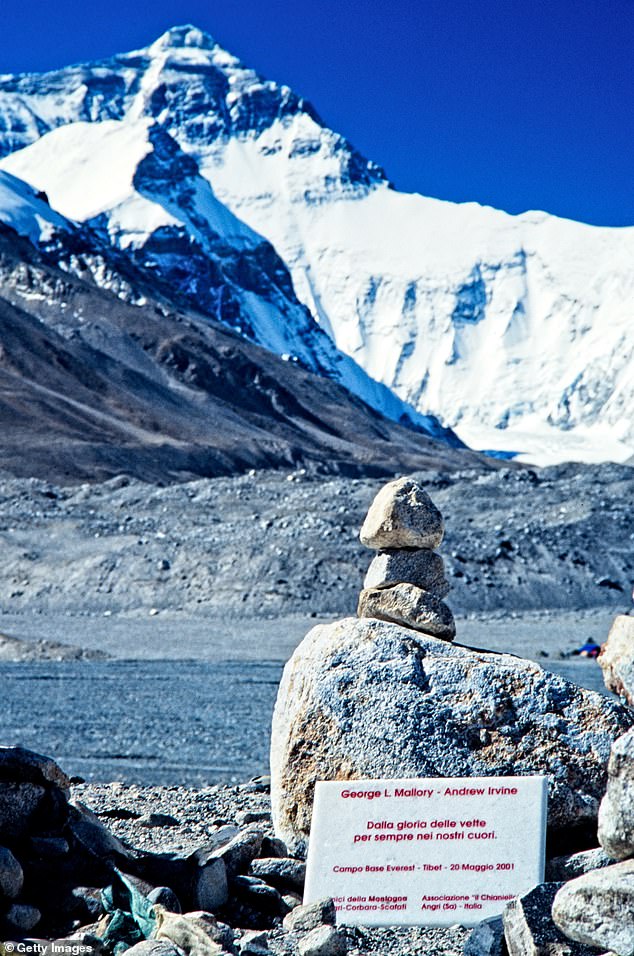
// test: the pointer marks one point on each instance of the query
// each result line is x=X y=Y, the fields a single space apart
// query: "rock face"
x=597 y=909
x=616 y=813
x=402 y=516
x=446 y=711
x=617 y=658
x=410 y=606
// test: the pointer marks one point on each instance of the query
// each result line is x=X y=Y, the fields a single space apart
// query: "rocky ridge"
x=267 y=543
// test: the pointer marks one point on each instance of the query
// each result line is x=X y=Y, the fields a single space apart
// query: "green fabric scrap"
x=132 y=916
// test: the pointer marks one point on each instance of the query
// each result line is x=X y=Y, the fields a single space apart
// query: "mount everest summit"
x=229 y=191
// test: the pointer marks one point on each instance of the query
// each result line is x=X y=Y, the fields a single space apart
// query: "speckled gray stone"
x=616 y=813
x=597 y=909
x=617 y=658
x=323 y=941
x=562 y=868
x=487 y=939
x=422 y=567
x=446 y=711
x=11 y=875
x=410 y=606
x=402 y=515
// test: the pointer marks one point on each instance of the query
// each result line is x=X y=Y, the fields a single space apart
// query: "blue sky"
x=521 y=104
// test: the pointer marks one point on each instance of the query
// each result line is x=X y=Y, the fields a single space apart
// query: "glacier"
x=514 y=330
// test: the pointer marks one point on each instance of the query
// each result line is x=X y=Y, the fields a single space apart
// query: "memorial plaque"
x=426 y=852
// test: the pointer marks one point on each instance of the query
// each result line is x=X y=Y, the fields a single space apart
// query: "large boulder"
x=370 y=699
x=402 y=516
x=617 y=658
x=597 y=909
x=616 y=813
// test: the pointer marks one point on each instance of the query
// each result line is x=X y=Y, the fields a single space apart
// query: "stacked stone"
x=406 y=583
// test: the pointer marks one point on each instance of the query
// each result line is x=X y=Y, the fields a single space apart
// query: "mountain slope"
x=132 y=184
x=92 y=386
x=516 y=330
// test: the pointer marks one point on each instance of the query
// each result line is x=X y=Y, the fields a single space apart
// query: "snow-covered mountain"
x=515 y=330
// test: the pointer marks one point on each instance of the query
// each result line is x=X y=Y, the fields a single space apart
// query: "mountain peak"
x=185 y=36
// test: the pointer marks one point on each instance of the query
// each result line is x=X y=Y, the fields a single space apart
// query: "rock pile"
x=597 y=908
x=406 y=580
x=588 y=908
x=447 y=710
x=63 y=875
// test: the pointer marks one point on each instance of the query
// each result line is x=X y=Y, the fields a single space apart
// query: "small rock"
x=90 y=832
x=11 y=875
x=272 y=846
x=617 y=658
x=254 y=943
x=240 y=851
x=257 y=893
x=166 y=898
x=22 y=917
x=89 y=902
x=283 y=873
x=154 y=947
x=259 y=784
x=304 y=918
x=223 y=835
x=402 y=516
x=529 y=929
x=487 y=939
x=323 y=941
x=409 y=606
x=248 y=816
x=616 y=813
x=151 y=820
x=422 y=567
x=25 y=766
x=210 y=886
x=563 y=868
x=218 y=932
x=292 y=900
x=597 y=909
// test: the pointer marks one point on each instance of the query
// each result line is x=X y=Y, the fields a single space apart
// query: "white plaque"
x=429 y=852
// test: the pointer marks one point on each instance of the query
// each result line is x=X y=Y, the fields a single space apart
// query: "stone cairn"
x=406 y=583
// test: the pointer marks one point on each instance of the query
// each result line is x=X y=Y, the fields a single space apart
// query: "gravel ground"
x=123 y=808
x=263 y=546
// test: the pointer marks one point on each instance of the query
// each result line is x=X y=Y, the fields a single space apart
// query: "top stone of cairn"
x=402 y=516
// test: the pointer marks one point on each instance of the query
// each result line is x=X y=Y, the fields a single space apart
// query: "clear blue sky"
x=521 y=104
